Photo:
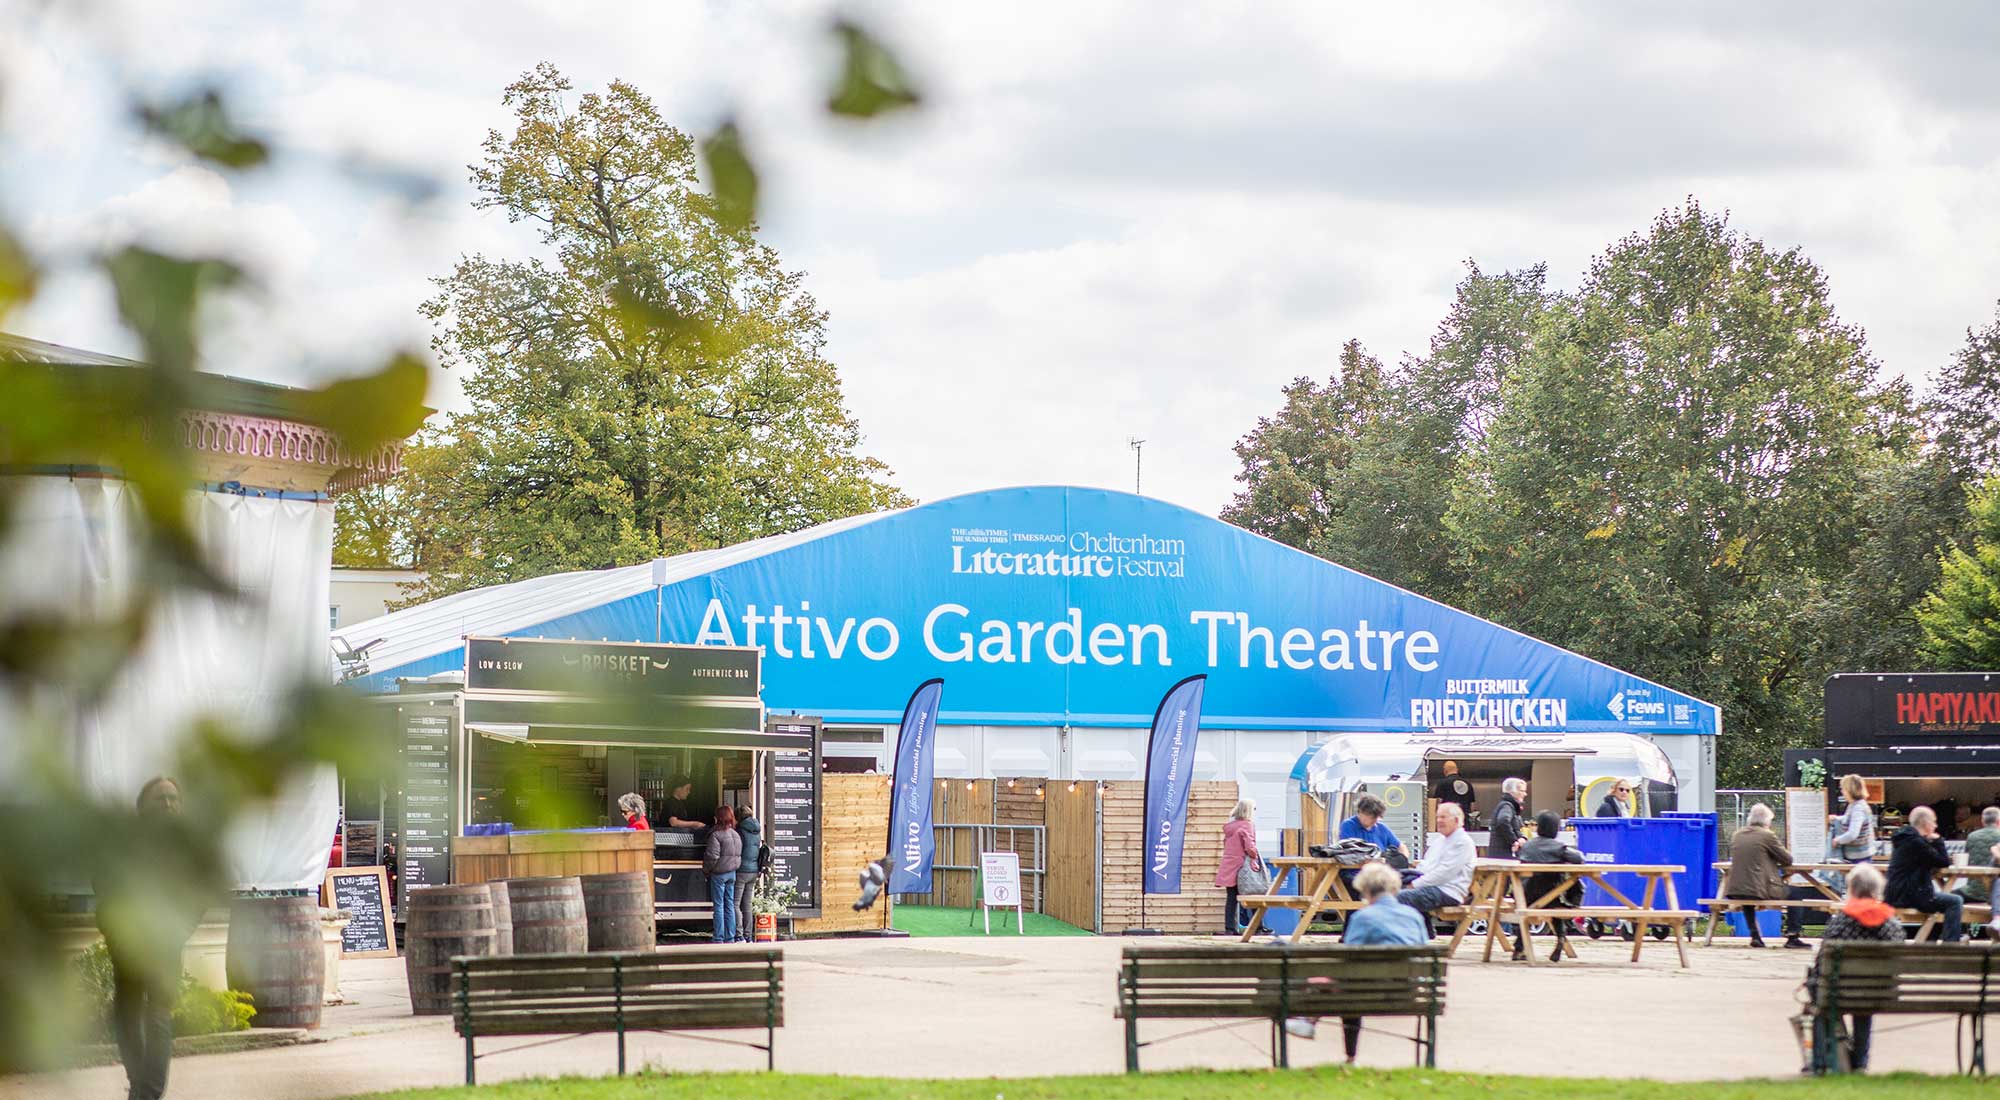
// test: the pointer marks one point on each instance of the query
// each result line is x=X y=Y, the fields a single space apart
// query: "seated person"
x=1366 y=824
x=1758 y=865
x=1979 y=849
x=1445 y=874
x=1382 y=921
x=1546 y=846
x=1863 y=916
x=1916 y=854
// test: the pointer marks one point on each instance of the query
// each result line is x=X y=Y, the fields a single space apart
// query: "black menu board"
x=792 y=828
x=424 y=852
x=362 y=891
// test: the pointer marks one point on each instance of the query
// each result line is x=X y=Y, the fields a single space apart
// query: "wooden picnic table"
x=1499 y=892
x=1321 y=887
x=1807 y=875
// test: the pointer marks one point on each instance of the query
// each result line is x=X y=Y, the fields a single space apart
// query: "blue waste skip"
x=1686 y=841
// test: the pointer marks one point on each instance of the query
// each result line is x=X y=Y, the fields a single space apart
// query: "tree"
x=1960 y=618
x=1965 y=404
x=1291 y=460
x=656 y=383
x=1433 y=412
x=1670 y=482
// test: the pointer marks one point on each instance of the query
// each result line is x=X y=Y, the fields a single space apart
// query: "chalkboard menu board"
x=363 y=892
x=425 y=852
x=793 y=826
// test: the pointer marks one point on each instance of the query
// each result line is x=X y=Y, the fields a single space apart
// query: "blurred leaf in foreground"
x=201 y=125
x=732 y=176
x=374 y=409
x=159 y=297
x=871 y=80
x=17 y=273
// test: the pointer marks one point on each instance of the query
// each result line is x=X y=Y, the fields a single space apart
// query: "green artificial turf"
x=937 y=920
x=1330 y=1083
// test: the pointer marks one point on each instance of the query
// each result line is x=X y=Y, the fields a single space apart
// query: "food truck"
x=1569 y=773
x=513 y=766
x=1919 y=739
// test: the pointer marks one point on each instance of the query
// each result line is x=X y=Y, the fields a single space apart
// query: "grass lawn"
x=936 y=920
x=1313 y=1084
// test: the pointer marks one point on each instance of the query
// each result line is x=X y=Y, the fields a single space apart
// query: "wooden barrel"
x=548 y=916
x=276 y=955
x=443 y=921
x=503 y=918
x=619 y=910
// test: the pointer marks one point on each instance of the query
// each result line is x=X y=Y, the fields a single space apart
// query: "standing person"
x=1503 y=835
x=720 y=861
x=1547 y=847
x=1446 y=870
x=675 y=811
x=1239 y=846
x=1617 y=802
x=1916 y=853
x=1456 y=791
x=1758 y=865
x=1853 y=838
x=1979 y=853
x=752 y=832
x=634 y=809
x=145 y=962
x=1863 y=916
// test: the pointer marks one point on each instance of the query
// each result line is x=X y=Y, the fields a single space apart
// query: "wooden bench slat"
x=605 y=979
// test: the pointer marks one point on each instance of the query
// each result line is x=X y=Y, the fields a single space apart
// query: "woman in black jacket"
x=1916 y=854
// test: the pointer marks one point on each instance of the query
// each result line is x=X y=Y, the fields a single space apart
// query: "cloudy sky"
x=1111 y=219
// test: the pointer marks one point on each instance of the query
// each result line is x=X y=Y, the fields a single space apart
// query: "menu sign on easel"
x=1805 y=824
x=364 y=893
x=793 y=825
x=424 y=856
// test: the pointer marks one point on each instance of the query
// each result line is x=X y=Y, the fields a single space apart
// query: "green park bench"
x=697 y=989
x=1881 y=979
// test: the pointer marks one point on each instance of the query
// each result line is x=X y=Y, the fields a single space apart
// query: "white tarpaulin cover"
x=70 y=551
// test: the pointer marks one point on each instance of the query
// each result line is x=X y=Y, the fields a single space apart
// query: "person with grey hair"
x=1979 y=845
x=1863 y=916
x=1916 y=854
x=1758 y=865
x=1503 y=836
x=1383 y=921
x=1445 y=873
x=634 y=809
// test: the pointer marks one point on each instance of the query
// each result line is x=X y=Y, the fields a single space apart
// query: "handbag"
x=1252 y=878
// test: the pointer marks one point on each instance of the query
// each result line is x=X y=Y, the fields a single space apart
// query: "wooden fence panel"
x=853 y=829
x=1198 y=907
x=1071 y=817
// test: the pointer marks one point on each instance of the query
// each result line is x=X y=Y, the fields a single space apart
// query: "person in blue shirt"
x=1384 y=921
x=1366 y=824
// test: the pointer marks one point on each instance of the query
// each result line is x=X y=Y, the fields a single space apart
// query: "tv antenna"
x=1138 y=447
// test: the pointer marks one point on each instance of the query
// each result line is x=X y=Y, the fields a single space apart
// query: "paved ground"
x=1012 y=1006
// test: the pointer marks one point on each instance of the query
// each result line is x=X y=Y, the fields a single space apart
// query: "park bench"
x=1849 y=978
x=1277 y=982
x=697 y=989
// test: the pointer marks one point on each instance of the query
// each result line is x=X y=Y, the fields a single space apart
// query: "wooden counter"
x=532 y=855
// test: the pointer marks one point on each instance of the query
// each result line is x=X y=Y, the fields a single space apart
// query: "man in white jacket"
x=1445 y=872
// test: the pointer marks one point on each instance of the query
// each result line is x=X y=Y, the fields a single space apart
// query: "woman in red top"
x=634 y=809
x=1239 y=843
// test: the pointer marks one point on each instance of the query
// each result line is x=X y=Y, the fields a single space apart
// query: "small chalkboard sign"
x=364 y=893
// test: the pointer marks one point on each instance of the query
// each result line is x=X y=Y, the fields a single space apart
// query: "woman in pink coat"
x=1239 y=842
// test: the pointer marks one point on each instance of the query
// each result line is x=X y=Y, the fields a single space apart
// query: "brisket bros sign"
x=1939 y=708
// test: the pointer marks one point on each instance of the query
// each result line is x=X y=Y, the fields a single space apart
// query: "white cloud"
x=1112 y=218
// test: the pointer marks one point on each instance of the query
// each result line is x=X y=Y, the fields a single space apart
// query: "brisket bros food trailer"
x=513 y=766
x=1920 y=739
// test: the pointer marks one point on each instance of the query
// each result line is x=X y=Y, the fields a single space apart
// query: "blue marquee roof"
x=1057 y=605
